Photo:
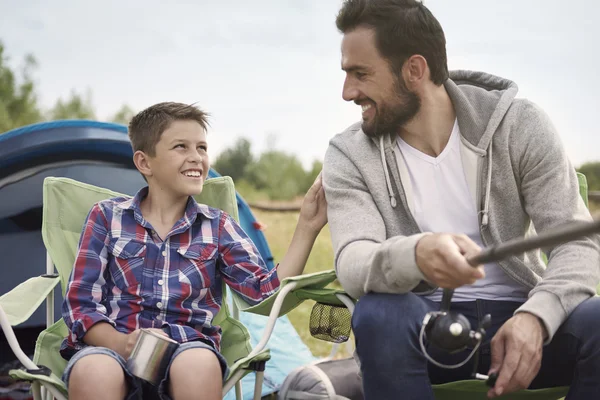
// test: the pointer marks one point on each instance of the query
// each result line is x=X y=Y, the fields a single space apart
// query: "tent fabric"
x=100 y=154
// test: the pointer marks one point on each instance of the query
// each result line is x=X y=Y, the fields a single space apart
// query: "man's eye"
x=360 y=75
x=180 y=145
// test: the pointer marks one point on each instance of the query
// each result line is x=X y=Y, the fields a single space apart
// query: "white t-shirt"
x=443 y=203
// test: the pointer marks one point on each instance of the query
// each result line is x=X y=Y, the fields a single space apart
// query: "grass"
x=279 y=228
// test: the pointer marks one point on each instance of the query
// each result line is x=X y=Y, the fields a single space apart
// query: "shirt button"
x=159 y=317
x=159 y=304
x=160 y=282
x=164 y=253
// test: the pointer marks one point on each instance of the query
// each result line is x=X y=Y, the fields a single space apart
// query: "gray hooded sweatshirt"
x=520 y=179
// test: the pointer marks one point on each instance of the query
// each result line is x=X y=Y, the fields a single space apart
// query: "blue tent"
x=100 y=154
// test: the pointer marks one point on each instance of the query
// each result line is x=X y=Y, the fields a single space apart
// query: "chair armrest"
x=305 y=285
x=22 y=301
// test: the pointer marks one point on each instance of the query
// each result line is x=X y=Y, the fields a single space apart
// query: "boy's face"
x=180 y=164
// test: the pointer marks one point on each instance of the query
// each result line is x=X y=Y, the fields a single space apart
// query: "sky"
x=270 y=70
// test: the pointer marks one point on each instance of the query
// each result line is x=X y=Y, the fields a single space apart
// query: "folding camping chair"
x=66 y=203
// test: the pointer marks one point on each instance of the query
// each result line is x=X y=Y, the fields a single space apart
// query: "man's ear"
x=415 y=71
x=142 y=163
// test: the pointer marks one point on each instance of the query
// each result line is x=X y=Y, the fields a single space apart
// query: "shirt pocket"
x=197 y=267
x=126 y=270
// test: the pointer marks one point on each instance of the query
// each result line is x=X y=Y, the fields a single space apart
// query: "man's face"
x=387 y=104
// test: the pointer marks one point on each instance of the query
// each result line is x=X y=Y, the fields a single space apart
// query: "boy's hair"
x=146 y=127
x=403 y=28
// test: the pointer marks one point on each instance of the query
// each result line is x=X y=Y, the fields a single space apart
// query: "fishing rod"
x=452 y=331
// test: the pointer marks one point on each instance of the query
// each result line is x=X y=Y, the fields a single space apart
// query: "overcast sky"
x=271 y=69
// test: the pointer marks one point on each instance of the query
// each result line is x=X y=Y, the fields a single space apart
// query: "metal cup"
x=151 y=356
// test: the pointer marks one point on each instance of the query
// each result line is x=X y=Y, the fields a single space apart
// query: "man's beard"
x=389 y=119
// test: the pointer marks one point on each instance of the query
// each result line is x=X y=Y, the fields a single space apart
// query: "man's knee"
x=584 y=321
x=376 y=313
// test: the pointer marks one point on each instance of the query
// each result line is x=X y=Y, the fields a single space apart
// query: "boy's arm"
x=313 y=217
x=295 y=258
x=243 y=268
x=83 y=312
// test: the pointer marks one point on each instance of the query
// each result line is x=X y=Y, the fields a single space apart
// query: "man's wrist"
x=543 y=329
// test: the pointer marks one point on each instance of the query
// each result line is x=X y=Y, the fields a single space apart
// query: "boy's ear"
x=142 y=163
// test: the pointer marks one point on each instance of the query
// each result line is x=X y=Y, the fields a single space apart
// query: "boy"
x=156 y=261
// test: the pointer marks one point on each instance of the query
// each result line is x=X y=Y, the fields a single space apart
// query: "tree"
x=76 y=107
x=279 y=174
x=123 y=116
x=18 y=99
x=235 y=161
x=316 y=168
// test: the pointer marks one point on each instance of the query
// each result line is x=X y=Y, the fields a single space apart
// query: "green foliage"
x=279 y=174
x=19 y=102
x=234 y=161
x=18 y=99
x=592 y=173
x=76 y=107
x=275 y=175
x=123 y=116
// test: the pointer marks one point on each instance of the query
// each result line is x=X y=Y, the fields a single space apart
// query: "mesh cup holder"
x=330 y=323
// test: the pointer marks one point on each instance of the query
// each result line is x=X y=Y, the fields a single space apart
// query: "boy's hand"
x=313 y=213
x=131 y=339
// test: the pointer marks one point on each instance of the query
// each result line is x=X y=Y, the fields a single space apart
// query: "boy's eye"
x=203 y=147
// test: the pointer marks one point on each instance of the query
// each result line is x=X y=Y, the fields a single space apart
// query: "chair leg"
x=238 y=390
x=36 y=390
x=258 y=384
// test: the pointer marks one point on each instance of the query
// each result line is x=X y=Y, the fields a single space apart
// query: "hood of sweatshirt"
x=480 y=101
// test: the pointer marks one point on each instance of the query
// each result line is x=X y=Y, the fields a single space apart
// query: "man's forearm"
x=104 y=334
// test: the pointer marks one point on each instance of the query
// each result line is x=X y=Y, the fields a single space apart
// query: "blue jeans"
x=138 y=388
x=387 y=327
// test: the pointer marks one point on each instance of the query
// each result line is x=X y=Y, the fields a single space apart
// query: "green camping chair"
x=66 y=204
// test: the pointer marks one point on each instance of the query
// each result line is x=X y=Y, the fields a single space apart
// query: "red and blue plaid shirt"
x=126 y=276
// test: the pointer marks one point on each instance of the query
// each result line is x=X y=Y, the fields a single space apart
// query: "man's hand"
x=517 y=353
x=443 y=259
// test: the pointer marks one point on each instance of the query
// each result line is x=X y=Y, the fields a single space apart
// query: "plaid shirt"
x=125 y=275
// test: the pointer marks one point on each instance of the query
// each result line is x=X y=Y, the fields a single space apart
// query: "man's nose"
x=349 y=92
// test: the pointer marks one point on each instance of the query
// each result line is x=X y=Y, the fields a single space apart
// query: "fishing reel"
x=451 y=332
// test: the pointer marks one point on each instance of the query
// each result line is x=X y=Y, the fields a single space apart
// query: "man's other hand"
x=517 y=353
x=442 y=258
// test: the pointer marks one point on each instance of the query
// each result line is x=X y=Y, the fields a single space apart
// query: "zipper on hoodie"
x=403 y=194
x=482 y=228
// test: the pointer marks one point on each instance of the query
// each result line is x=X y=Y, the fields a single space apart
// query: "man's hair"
x=146 y=128
x=402 y=28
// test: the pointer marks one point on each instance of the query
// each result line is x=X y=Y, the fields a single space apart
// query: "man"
x=441 y=166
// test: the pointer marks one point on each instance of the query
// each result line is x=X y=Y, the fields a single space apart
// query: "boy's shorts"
x=138 y=388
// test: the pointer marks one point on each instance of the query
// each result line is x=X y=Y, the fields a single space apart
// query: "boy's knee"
x=97 y=370
x=193 y=360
